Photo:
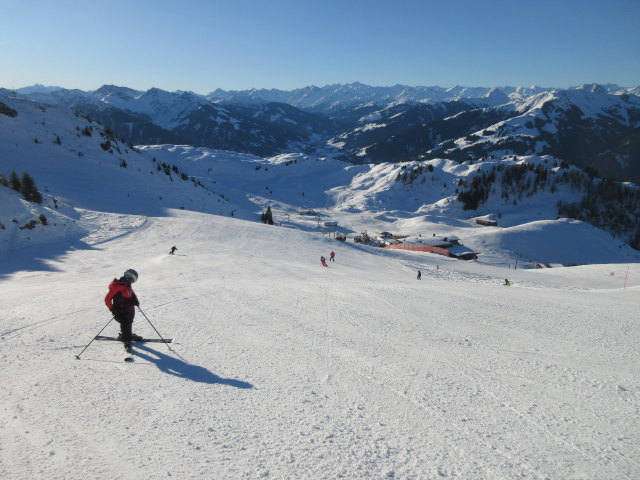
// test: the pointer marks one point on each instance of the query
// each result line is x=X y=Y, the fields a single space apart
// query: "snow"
x=282 y=368
x=371 y=126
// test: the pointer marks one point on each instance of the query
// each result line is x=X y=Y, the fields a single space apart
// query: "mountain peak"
x=38 y=88
x=593 y=88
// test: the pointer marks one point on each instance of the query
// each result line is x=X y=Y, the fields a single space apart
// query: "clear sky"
x=201 y=45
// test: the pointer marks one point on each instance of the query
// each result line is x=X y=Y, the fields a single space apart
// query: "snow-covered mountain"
x=157 y=116
x=583 y=126
x=68 y=154
x=579 y=126
x=339 y=97
x=591 y=126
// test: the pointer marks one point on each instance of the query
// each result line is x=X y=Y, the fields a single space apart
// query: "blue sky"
x=201 y=45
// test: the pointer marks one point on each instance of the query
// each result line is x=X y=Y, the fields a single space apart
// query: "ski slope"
x=284 y=369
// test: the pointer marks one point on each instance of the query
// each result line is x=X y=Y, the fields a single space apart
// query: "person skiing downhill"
x=323 y=262
x=332 y=256
x=121 y=300
x=173 y=249
x=419 y=274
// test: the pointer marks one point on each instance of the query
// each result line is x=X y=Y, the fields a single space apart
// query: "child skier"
x=323 y=261
x=121 y=300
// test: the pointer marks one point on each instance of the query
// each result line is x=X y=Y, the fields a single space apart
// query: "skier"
x=121 y=300
x=323 y=261
x=419 y=275
x=173 y=249
x=507 y=283
x=332 y=256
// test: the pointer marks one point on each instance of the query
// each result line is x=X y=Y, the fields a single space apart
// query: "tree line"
x=24 y=185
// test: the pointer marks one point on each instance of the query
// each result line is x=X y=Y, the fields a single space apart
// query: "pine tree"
x=14 y=181
x=29 y=190
x=267 y=216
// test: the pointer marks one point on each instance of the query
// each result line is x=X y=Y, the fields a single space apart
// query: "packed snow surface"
x=288 y=370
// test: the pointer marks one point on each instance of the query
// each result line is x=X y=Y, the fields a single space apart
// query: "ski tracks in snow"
x=472 y=378
x=105 y=227
x=413 y=379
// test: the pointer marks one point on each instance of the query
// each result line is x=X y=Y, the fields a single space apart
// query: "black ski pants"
x=125 y=319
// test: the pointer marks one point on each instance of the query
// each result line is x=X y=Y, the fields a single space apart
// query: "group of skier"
x=332 y=258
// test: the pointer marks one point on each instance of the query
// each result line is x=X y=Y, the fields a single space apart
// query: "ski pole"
x=161 y=338
x=78 y=356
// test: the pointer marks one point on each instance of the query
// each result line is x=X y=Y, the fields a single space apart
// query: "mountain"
x=580 y=126
x=56 y=146
x=157 y=116
x=332 y=99
x=591 y=126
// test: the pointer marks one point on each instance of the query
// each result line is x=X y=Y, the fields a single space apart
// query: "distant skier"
x=419 y=275
x=332 y=256
x=122 y=300
x=507 y=283
x=323 y=261
x=173 y=249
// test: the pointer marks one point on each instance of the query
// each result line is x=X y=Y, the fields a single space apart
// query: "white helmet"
x=131 y=275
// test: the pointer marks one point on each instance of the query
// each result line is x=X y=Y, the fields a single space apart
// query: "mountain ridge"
x=592 y=126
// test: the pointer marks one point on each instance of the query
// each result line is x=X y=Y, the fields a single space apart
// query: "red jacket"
x=121 y=296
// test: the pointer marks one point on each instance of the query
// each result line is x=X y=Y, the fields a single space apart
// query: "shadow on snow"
x=180 y=368
x=40 y=257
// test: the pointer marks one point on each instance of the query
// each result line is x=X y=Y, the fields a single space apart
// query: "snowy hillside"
x=286 y=369
x=81 y=168
x=70 y=155
x=78 y=166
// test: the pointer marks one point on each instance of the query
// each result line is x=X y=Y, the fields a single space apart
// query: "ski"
x=144 y=340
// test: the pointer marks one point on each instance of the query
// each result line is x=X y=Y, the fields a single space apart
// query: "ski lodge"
x=447 y=246
x=487 y=221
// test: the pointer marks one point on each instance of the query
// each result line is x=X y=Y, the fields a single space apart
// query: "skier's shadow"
x=180 y=368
